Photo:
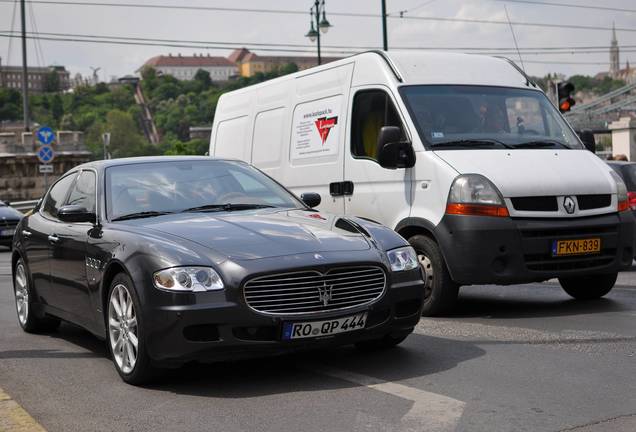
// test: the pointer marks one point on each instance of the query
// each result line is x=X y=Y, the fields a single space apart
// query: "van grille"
x=311 y=291
x=538 y=203
x=589 y=202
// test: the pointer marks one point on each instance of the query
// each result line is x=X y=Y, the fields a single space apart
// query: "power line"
x=15 y=4
x=344 y=14
x=310 y=49
x=570 y=5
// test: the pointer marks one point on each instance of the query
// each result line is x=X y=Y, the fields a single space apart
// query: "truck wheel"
x=440 y=291
x=588 y=287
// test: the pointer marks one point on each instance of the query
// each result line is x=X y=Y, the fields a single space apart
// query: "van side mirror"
x=75 y=213
x=312 y=199
x=393 y=151
x=587 y=137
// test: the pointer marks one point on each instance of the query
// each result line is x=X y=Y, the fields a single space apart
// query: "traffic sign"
x=46 y=169
x=46 y=153
x=45 y=135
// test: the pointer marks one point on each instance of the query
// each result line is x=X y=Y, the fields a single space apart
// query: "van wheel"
x=440 y=291
x=588 y=287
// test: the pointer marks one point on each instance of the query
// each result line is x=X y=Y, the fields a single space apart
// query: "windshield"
x=149 y=189
x=456 y=116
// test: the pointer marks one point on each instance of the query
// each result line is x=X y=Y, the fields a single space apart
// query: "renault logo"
x=324 y=293
x=569 y=205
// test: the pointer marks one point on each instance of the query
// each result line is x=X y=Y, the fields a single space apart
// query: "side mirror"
x=587 y=137
x=75 y=213
x=393 y=152
x=312 y=199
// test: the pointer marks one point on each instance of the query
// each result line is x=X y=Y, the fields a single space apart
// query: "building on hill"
x=250 y=63
x=37 y=77
x=627 y=74
x=186 y=67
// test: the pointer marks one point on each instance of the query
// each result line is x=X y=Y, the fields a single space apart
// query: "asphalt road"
x=521 y=358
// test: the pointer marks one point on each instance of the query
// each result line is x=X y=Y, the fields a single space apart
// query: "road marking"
x=14 y=418
x=430 y=411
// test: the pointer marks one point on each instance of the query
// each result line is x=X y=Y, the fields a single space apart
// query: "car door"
x=374 y=192
x=68 y=252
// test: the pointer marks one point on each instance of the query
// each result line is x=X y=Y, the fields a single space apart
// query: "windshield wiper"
x=472 y=143
x=226 y=207
x=541 y=144
x=143 y=214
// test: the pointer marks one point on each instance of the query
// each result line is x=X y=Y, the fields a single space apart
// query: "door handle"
x=341 y=188
x=53 y=238
x=26 y=233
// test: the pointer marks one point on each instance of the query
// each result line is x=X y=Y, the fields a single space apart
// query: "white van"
x=461 y=154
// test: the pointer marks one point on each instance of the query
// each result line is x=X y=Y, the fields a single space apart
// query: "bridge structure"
x=601 y=112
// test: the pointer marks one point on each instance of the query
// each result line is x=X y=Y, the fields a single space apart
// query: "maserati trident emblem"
x=318 y=256
x=324 y=293
x=569 y=205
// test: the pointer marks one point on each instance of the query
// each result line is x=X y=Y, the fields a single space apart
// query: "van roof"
x=421 y=67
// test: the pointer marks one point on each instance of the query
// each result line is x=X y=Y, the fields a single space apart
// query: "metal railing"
x=23 y=206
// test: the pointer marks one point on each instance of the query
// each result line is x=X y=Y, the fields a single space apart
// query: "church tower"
x=614 y=59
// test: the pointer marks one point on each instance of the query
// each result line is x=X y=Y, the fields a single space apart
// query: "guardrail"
x=23 y=206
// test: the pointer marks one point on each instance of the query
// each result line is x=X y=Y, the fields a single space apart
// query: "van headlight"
x=621 y=192
x=474 y=194
x=402 y=259
x=188 y=279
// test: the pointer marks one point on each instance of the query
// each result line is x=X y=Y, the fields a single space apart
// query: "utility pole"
x=317 y=6
x=385 y=42
x=25 y=86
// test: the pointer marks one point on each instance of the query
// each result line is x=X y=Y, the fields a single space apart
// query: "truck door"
x=371 y=191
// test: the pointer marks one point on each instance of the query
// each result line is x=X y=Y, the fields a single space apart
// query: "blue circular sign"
x=45 y=135
x=46 y=154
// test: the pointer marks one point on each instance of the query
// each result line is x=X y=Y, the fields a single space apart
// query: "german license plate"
x=309 y=329
x=576 y=247
x=7 y=232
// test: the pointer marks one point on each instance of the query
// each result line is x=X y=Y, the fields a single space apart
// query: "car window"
x=83 y=193
x=55 y=199
x=179 y=185
x=470 y=115
x=372 y=109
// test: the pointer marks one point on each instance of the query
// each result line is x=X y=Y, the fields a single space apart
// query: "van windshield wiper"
x=139 y=215
x=473 y=143
x=226 y=207
x=541 y=144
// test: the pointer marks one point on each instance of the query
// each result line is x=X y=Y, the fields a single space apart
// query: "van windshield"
x=481 y=117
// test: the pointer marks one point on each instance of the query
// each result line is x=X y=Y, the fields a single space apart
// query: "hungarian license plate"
x=308 y=329
x=576 y=247
x=7 y=232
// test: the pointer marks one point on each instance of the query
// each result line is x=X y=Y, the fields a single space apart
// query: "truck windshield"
x=481 y=117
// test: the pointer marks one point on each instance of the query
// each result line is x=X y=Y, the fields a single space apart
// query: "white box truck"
x=461 y=154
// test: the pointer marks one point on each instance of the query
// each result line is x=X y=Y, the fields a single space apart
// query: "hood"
x=246 y=235
x=9 y=213
x=535 y=172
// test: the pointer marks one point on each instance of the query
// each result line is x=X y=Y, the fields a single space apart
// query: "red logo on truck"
x=324 y=125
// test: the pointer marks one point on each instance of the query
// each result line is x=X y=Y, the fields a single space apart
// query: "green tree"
x=51 y=82
x=57 y=108
x=203 y=77
x=10 y=104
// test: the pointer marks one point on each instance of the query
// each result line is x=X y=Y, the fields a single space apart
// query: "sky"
x=250 y=28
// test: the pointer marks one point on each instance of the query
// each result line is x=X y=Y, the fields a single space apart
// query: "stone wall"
x=15 y=142
x=20 y=179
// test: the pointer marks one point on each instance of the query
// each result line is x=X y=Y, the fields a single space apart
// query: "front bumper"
x=491 y=250
x=215 y=326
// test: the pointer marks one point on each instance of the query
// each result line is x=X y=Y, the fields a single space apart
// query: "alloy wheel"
x=21 y=294
x=427 y=273
x=122 y=328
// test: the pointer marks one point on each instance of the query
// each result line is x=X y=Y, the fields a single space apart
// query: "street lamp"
x=322 y=25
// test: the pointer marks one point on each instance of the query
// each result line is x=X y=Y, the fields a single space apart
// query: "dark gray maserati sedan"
x=175 y=259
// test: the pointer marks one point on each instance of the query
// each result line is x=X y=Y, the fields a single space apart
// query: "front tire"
x=24 y=296
x=440 y=291
x=126 y=332
x=588 y=287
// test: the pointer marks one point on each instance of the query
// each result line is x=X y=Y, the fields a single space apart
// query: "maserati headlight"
x=402 y=259
x=188 y=279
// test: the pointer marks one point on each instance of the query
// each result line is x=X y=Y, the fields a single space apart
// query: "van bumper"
x=504 y=251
